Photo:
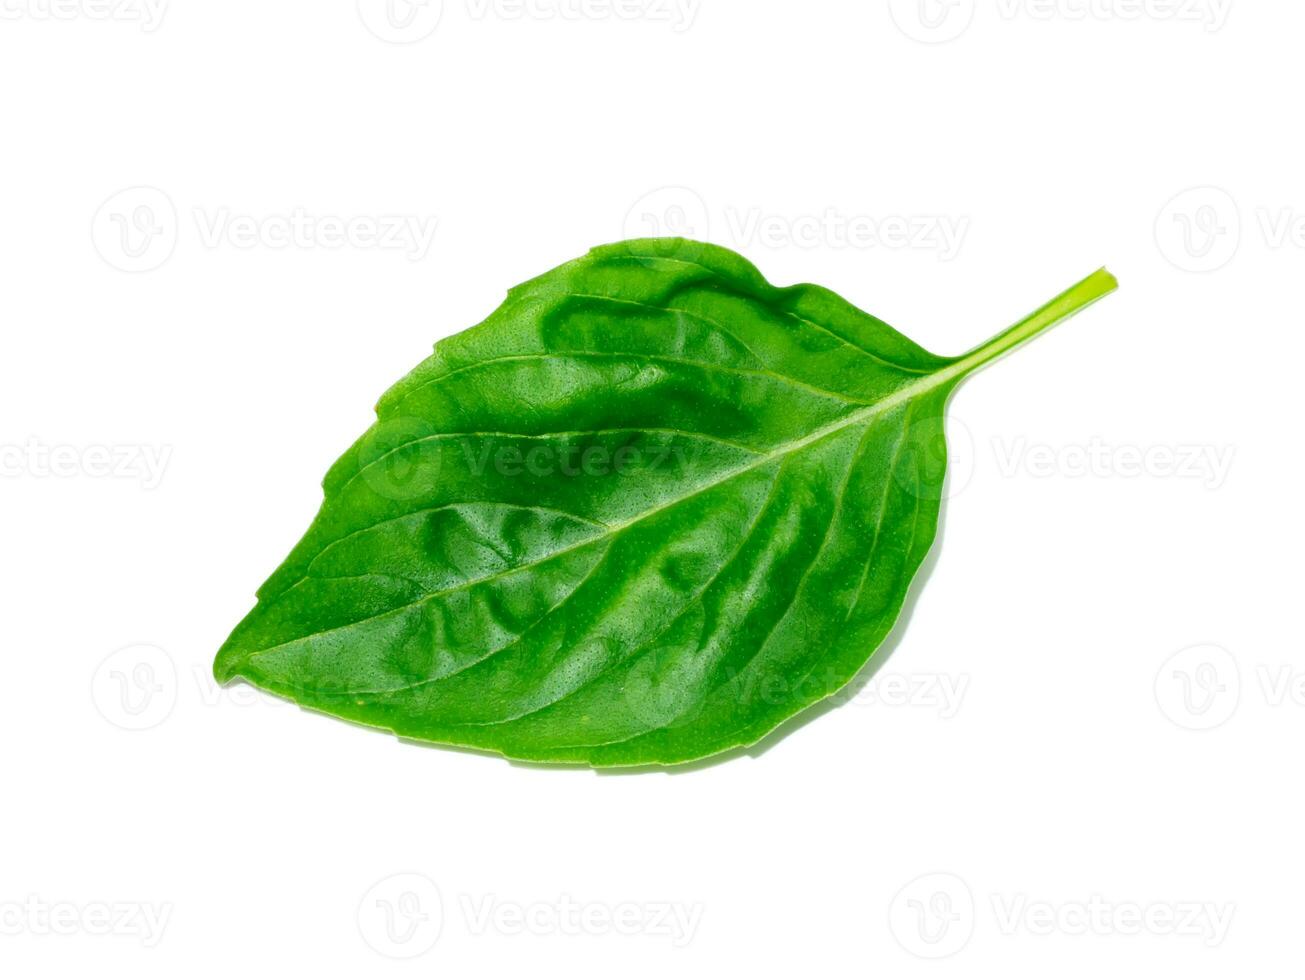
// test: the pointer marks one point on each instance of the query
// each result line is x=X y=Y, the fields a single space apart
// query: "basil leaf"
x=646 y=511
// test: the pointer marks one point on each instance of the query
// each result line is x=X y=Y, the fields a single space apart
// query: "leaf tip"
x=226 y=665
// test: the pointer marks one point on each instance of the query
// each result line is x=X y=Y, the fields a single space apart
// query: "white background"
x=1092 y=797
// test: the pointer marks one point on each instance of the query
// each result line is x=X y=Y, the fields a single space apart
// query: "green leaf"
x=646 y=511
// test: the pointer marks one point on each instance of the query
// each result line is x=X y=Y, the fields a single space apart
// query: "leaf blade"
x=472 y=580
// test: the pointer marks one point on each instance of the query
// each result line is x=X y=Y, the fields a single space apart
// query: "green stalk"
x=1073 y=300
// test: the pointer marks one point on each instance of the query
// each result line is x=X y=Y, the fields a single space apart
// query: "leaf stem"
x=1073 y=300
